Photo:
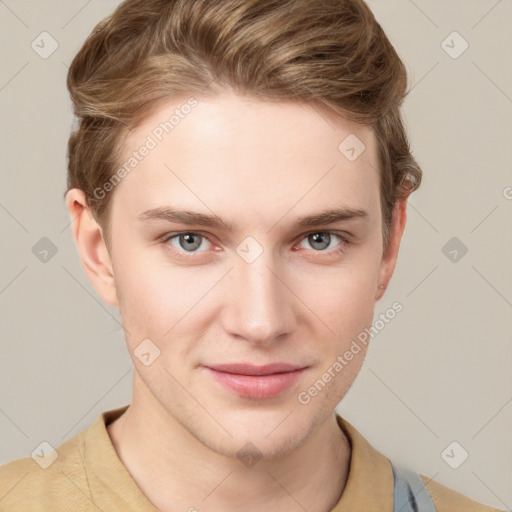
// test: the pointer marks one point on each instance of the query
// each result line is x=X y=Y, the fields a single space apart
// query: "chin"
x=250 y=448
x=271 y=434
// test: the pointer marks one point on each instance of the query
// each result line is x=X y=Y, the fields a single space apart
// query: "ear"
x=91 y=247
x=390 y=253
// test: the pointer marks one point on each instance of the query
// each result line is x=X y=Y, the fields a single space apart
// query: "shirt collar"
x=112 y=486
x=369 y=486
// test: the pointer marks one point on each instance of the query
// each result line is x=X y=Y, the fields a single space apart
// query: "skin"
x=260 y=166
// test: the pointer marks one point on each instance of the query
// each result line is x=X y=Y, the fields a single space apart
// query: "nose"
x=259 y=306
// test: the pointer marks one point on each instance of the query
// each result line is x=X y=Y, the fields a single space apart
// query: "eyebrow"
x=168 y=214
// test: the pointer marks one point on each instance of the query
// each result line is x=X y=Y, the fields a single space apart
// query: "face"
x=221 y=256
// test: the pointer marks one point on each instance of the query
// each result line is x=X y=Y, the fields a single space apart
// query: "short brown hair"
x=331 y=52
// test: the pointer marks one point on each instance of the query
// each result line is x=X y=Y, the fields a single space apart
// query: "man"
x=238 y=182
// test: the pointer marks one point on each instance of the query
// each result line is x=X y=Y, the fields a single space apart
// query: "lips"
x=250 y=381
x=250 y=369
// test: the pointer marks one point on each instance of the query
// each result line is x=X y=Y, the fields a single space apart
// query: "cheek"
x=344 y=299
x=346 y=305
x=158 y=300
x=147 y=296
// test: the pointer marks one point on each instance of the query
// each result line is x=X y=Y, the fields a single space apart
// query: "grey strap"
x=410 y=493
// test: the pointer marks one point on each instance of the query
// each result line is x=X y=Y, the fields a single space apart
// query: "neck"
x=177 y=472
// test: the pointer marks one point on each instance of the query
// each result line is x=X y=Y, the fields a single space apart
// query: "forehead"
x=233 y=153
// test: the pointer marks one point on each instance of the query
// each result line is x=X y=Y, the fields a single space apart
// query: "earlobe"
x=390 y=253
x=91 y=247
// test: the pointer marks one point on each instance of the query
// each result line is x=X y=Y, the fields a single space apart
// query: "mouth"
x=258 y=382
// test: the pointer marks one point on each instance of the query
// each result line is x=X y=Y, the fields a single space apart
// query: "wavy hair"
x=332 y=52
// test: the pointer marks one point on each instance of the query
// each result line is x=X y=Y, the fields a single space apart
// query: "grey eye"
x=189 y=241
x=319 y=241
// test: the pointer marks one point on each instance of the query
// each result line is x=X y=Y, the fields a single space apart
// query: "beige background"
x=440 y=372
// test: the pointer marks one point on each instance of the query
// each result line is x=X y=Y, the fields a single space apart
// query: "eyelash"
x=341 y=248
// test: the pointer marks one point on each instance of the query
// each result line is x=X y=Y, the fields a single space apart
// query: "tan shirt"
x=89 y=476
